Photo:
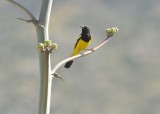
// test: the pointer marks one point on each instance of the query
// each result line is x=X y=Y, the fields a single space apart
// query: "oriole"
x=82 y=43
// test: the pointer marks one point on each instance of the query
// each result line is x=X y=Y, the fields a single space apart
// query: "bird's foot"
x=81 y=52
x=91 y=49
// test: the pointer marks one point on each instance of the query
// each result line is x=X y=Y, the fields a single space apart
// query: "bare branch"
x=25 y=10
x=80 y=55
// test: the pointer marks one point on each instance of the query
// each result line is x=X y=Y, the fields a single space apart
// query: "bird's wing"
x=77 y=41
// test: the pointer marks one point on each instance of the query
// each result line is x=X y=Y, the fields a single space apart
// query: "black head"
x=85 y=30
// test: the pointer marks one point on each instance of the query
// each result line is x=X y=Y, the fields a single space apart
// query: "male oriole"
x=82 y=43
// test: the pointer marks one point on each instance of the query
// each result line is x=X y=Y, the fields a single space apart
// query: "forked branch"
x=33 y=19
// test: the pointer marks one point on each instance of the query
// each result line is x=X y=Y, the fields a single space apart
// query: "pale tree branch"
x=41 y=26
x=45 y=16
x=44 y=58
x=109 y=33
x=79 y=55
x=33 y=19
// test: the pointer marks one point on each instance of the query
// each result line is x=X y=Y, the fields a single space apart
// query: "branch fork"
x=45 y=47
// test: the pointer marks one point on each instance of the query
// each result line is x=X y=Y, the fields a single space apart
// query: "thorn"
x=58 y=76
x=40 y=24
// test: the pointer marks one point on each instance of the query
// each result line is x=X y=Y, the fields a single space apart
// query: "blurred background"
x=123 y=77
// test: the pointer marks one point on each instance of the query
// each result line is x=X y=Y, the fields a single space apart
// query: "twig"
x=28 y=20
x=56 y=75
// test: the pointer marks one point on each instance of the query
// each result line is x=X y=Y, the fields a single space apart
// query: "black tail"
x=68 y=64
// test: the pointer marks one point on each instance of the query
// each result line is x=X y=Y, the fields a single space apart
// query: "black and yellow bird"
x=82 y=43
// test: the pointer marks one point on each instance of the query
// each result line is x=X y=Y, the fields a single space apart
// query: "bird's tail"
x=68 y=64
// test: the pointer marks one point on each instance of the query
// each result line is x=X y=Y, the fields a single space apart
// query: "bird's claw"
x=81 y=52
x=91 y=49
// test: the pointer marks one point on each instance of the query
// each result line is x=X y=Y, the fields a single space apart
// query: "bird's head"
x=85 y=30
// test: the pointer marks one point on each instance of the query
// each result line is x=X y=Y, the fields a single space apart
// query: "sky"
x=120 y=78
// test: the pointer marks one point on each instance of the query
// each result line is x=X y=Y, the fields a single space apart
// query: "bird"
x=82 y=43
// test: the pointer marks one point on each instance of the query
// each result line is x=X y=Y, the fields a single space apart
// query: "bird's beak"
x=82 y=26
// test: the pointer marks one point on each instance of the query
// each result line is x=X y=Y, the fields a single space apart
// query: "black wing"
x=77 y=41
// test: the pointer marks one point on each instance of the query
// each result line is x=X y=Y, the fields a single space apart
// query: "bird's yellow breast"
x=81 y=45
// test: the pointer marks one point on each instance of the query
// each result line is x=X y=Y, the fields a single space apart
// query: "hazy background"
x=123 y=77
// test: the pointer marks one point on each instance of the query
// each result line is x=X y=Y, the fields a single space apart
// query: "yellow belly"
x=80 y=46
